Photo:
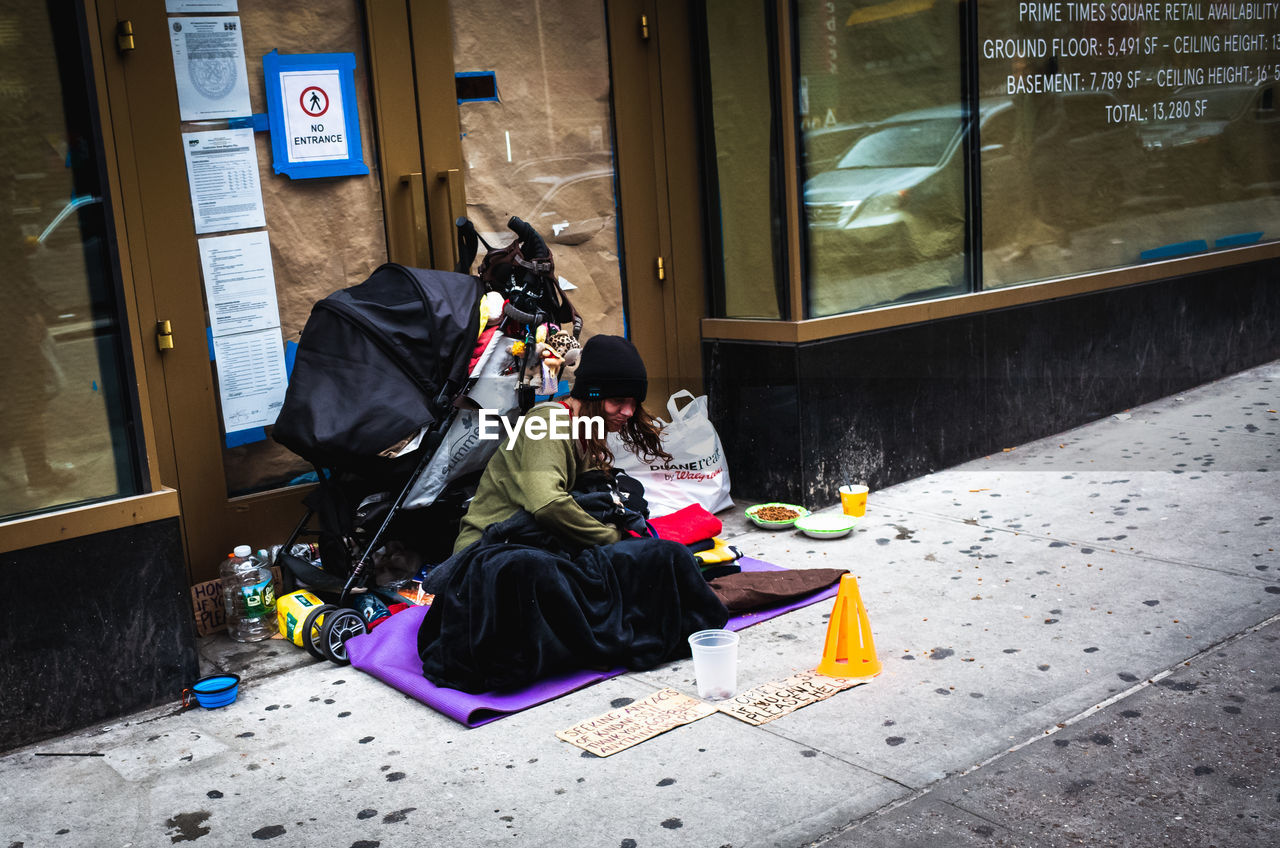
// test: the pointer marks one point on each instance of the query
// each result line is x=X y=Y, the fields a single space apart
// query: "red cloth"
x=482 y=344
x=688 y=525
x=393 y=609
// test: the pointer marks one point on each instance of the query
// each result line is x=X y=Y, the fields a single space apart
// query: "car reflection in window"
x=917 y=144
x=1216 y=143
x=900 y=189
x=823 y=147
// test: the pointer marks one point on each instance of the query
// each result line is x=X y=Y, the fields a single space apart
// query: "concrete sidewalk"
x=1079 y=646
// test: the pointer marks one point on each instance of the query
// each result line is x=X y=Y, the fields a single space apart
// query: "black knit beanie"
x=610 y=367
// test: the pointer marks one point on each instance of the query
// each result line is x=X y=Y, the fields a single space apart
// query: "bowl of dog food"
x=775 y=516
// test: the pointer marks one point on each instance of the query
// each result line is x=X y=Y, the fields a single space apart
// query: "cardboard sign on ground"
x=619 y=729
x=208 y=607
x=771 y=700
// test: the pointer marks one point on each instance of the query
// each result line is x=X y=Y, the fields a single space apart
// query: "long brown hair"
x=640 y=434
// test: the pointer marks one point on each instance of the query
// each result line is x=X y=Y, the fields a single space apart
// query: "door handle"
x=456 y=196
x=418 y=203
x=456 y=191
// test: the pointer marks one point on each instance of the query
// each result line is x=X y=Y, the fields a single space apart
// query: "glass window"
x=745 y=231
x=544 y=150
x=66 y=416
x=1139 y=132
x=947 y=148
x=883 y=152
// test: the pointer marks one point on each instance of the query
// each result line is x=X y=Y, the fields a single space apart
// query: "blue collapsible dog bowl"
x=217 y=690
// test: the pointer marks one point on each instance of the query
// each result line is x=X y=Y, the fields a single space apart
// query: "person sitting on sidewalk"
x=539 y=474
x=538 y=583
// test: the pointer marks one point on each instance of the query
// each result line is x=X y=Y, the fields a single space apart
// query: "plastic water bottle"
x=249 y=596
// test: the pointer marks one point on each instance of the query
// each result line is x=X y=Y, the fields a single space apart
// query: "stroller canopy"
x=377 y=362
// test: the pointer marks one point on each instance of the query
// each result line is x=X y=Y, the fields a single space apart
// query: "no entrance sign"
x=315 y=131
x=314 y=124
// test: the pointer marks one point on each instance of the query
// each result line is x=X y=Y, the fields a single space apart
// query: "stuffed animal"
x=490 y=310
x=555 y=354
x=553 y=351
x=566 y=347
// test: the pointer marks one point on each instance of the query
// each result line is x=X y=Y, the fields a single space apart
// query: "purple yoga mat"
x=390 y=653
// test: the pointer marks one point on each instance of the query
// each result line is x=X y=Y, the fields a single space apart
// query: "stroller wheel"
x=338 y=627
x=311 y=630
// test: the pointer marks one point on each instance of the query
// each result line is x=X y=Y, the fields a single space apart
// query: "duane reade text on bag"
x=697 y=472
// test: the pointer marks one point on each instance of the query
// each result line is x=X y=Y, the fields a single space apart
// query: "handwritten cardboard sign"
x=619 y=729
x=209 y=608
x=771 y=700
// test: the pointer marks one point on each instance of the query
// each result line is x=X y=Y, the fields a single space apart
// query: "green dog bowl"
x=753 y=514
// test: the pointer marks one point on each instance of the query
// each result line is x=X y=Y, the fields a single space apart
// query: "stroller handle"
x=533 y=247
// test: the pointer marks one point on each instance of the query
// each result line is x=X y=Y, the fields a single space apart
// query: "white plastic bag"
x=697 y=472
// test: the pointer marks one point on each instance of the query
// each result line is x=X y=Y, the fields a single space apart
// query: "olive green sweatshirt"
x=536 y=475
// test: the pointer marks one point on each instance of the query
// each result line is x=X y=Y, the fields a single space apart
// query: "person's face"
x=617 y=412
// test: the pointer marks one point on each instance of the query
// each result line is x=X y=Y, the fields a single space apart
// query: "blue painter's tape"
x=1168 y=251
x=290 y=354
x=245 y=437
x=341 y=64
x=1238 y=239
x=257 y=123
x=477 y=81
x=209 y=336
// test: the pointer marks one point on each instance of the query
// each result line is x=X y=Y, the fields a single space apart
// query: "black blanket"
x=519 y=605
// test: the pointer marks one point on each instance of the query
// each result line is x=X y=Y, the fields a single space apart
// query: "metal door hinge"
x=662 y=272
x=124 y=36
x=644 y=27
x=164 y=335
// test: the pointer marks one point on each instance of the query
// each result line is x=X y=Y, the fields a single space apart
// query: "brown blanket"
x=752 y=590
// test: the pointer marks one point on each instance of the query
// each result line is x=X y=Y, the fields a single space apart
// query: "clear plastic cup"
x=715 y=663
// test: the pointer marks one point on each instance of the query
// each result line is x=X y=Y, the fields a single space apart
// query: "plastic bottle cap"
x=243 y=550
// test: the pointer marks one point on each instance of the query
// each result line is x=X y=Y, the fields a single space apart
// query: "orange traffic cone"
x=849 y=651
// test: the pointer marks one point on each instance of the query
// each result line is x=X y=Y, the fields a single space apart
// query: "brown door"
x=554 y=112
x=235 y=485
x=655 y=113
x=560 y=138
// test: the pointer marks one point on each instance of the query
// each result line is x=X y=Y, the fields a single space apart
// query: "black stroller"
x=381 y=379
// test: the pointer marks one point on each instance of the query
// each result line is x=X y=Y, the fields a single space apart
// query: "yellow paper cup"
x=853 y=500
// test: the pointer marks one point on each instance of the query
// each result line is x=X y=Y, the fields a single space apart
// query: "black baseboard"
x=883 y=407
x=93 y=628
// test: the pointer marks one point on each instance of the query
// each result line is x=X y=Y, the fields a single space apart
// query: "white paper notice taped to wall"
x=222 y=171
x=208 y=64
x=239 y=284
x=315 y=117
x=251 y=378
x=177 y=6
x=244 y=323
